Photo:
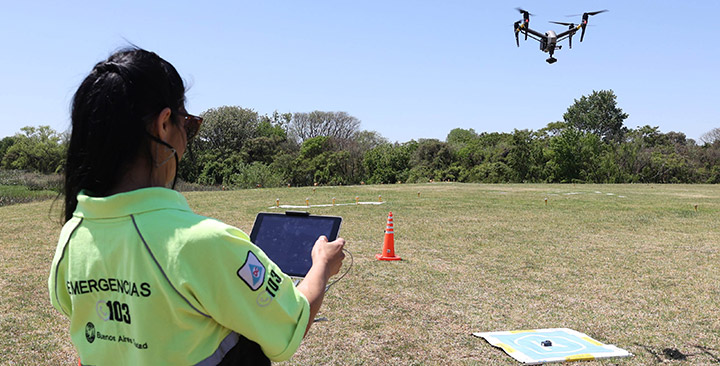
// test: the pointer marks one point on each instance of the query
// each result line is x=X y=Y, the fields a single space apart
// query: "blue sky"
x=406 y=69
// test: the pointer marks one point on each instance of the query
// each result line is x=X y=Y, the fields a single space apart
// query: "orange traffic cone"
x=388 y=253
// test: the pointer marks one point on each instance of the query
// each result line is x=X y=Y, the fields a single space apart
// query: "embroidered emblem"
x=252 y=272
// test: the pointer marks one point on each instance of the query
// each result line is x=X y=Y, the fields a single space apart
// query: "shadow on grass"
x=706 y=350
x=675 y=354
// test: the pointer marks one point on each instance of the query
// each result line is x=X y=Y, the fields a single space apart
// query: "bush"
x=33 y=181
x=255 y=175
x=183 y=186
x=10 y=195
x=17 y=186
x=497 y=172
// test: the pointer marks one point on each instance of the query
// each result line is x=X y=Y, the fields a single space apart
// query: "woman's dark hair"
x=110 y=113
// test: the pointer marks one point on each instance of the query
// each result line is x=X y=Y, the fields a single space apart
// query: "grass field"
x=637 y=266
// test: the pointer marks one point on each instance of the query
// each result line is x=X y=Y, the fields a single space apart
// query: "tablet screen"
x=288 y=239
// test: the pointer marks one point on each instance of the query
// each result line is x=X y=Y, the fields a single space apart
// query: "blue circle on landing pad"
x=560 y=344
x=563 y=343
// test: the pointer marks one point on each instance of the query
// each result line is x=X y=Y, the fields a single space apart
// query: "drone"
x=549 y=40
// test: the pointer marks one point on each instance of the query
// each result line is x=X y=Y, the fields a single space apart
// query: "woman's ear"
x=162 y=124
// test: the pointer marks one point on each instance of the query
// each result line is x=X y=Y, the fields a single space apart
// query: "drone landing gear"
x=551 y=60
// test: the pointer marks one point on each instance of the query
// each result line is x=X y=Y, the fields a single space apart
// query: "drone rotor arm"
x=535 y=33
x=538 y=38
x=566 y=34
x=572 y=29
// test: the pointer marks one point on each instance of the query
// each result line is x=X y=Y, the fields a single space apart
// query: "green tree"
x=633 y=156
x=489 y=172
x=262 y=149
x=352 y=168
x=430 y=160
x=553 y=129
x=485 y=148
x=226 y=130
x=314 y=146
x=39 y=149
x=284 y=164
x=5 y=144
x=368 y=140
x=608 y=169
x=229 y=139
x=597 y=113
x=458 y=138
x=389 y=163
x=521 y=158
x=275 y=125
x=573 y=156
x=319 y=162
x=709 y=162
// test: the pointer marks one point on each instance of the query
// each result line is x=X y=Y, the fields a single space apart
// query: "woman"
x=142 y=278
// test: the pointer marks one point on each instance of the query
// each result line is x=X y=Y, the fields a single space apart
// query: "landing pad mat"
x=538 y=346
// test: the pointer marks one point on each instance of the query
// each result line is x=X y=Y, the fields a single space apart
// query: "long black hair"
x=110 y=113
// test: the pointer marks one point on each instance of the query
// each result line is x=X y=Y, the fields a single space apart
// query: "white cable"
x=343 y=275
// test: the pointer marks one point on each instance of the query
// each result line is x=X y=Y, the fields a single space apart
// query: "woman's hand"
x=327 y=259
x=328 y=255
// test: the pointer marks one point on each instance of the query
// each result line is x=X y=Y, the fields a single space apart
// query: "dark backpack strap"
x=245 y=352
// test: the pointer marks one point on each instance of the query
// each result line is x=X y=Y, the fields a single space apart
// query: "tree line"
x=239 y=148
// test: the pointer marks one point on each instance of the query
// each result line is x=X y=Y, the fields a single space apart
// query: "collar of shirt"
x=127 y=203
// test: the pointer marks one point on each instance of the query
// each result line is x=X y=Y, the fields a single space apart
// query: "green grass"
x=632 y=265
x=13 y=194
x=17 y=186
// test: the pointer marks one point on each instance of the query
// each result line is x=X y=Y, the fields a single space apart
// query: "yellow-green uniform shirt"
x=145 y=281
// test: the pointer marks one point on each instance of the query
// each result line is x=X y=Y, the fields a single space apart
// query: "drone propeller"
x=523 y=12
x=596 y=12
x=562 y=23
x=585 y=20
x=526 y=20
x=590 y=13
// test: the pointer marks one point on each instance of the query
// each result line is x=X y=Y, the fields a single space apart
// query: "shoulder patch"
x=252 y=272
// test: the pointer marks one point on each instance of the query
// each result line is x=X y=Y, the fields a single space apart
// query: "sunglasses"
x=191 y=124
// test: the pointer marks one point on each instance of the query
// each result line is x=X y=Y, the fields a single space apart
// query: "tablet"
x=288 y=238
